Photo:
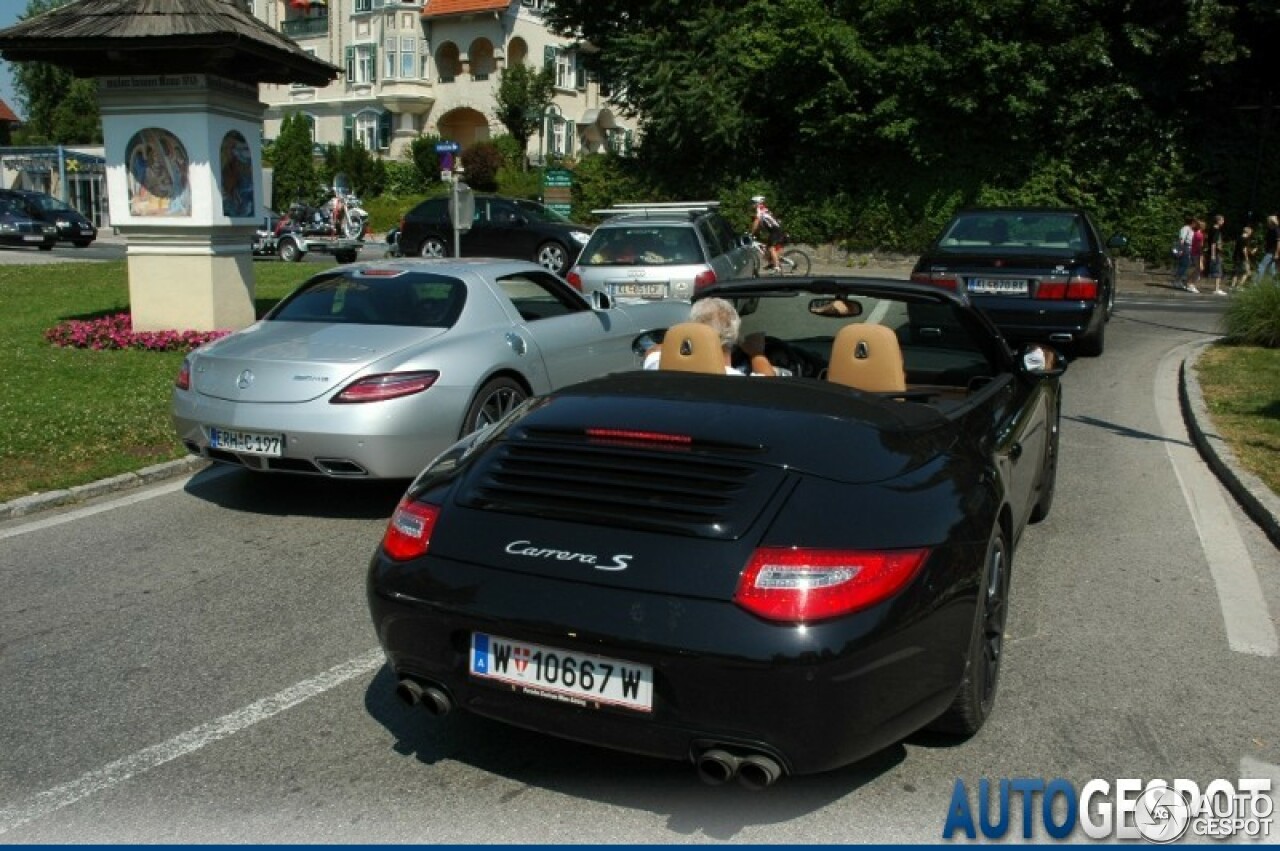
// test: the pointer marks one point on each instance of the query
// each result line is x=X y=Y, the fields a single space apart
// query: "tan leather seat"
x=692 y=347
x=867 y=357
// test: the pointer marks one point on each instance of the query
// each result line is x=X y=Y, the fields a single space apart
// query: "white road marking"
x=146 y=493
x=1244 y=608
x=52 y=800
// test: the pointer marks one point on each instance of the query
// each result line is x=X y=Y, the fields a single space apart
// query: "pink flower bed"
x=116 y=332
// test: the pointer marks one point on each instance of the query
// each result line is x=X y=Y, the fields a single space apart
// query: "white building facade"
x=413 y=68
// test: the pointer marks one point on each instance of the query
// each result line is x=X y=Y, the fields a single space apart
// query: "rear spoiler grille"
x=650 y=489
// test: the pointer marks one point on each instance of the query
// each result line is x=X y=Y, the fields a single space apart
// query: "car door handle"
x=1015 y=450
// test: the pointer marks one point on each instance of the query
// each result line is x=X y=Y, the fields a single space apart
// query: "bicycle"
x=792 y=261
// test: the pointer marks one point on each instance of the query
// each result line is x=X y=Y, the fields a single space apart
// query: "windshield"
x=1011 y=230
x=416 y=300
x=535 y=212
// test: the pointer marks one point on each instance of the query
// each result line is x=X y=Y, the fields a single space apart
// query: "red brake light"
x=574 y=279
x=795 y=585
x=945 y=281
x=705 y=278
x=632 y=437
x=409 y=532
x=1082 y=289
x=1079 y=288
x=378 y=388
x=183 y=381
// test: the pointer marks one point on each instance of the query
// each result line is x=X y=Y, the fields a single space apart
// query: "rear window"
x=432 y=210
x=408 y=299
x=643 y=245
x=1013 y=230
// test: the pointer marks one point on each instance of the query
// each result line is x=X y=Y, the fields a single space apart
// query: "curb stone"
x=1255 y=498
x=80 y=493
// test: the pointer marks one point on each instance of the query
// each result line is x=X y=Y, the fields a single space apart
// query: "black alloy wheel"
x=973 y=703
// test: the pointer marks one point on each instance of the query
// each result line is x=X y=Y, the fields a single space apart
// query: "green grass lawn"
x=72 y=416
x=1241 y=387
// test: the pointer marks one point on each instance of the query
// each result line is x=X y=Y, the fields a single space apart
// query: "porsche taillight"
x=947 y=282
x=379 y=388
x=408 y=534
x=1077 y=288
x=798 y=585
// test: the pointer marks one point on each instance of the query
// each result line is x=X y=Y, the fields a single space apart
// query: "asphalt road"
x=193 y=662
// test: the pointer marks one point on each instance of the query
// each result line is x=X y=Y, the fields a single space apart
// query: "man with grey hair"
x=723 y=317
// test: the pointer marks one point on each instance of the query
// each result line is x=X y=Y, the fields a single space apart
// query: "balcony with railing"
x=312 y=25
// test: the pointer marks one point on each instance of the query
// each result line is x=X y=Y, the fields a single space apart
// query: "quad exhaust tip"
x=434 y=699
x=754 y=771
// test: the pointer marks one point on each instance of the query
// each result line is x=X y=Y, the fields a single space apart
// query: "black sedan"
x=761 y=575
x=72 y=225
x=17 y=227
x=502 y=227
x=1039 y=273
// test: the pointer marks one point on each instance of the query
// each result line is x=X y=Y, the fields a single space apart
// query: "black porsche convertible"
x=762 y=575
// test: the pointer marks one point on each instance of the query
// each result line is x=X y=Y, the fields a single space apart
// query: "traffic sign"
x=448 y=147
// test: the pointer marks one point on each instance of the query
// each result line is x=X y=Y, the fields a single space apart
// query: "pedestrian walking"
x=1197 y=255
x=1270 y=246
x=1182 y=254
x=1213 y=253
x=1242 y=258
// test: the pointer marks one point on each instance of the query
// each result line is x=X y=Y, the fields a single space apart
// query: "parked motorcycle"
x=339 y=216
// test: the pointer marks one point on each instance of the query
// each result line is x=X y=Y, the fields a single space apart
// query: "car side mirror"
x=600 y=300
x=1118 y=241
x=744 y=240
x=1041 y=361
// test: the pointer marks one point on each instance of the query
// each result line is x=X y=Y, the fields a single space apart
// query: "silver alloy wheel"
x=496 y=399
x=552 y=257
x=432 y=247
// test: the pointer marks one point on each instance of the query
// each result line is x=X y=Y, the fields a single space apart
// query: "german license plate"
x=563 y=675
x=636 y=290
x=998 y=286
x=247 y=442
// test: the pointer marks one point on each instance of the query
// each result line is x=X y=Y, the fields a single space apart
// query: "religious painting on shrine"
x=158 y=174
x=236 y=176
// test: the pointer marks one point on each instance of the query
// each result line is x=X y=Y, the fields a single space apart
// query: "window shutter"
x=581 y=73
x=569 y=134
x=548 y=57
x=373 y=63
x=384 y=131
x=348 y=131
x=351 y=64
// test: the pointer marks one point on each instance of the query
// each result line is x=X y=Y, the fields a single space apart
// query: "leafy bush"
x=483 y=161
x=403 y=178
x=367 y=173
x=385 y=211
x=1253 y=316
x=515 y=182
x=422 y=153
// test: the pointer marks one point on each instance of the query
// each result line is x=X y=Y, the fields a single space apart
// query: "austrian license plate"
x=247 y=441
x=563 y=675
x=637 y=290
x=998 y=286
x=31 y=237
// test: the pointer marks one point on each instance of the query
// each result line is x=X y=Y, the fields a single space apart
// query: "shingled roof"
x=97 y=38
x=445 y=8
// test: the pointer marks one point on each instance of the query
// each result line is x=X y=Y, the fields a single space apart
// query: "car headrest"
x=867 y=357
x=692 y=347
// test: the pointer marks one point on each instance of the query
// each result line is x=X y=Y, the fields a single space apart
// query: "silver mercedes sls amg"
x=370 y=370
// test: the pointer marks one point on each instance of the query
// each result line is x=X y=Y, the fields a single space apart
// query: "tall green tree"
x=58 y=107
x=293 y=176
x=523 y=96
